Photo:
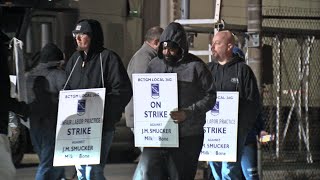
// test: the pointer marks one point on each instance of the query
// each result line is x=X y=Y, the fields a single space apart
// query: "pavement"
x=114 y=171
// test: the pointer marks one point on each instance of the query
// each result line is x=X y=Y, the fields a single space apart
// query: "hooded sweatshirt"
x=43 y=85
x=87 y=74
x=196 y=91
x=237 y=76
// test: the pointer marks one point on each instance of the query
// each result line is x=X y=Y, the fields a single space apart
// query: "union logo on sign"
x=215 y=109
x=81 y=110
x=155 y=93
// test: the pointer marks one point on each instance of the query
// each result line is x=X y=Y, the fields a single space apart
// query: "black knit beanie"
x=50 y=52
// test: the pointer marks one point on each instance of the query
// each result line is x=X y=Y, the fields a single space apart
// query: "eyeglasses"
x=78 y=34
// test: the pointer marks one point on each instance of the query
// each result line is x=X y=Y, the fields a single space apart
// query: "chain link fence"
x=292 y=99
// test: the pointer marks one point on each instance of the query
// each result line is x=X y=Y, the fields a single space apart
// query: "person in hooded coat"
x=196 y=96
x=43 y=85
x=230 y=73
x=93 y=66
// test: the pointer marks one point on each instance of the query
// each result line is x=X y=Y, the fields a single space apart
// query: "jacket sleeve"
x=140 y=63
x=118 y=85
x=260 y=123
x=250 y=103
x=209 y=89
x=69 y=67
x=210 y=66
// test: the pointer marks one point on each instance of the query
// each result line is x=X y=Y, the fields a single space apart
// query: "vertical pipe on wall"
x=45 y=34
x=254 y=58
x=164 y=18
x=185 y=9
x=29 y=41
x=254 y=32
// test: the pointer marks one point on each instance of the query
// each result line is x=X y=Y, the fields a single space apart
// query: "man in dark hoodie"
x=43 y=85
x=93 y=66
x=196 y=95
x=230 y=73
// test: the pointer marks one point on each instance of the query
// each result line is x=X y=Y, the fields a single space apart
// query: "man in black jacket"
x=196 y=95
x=93 y=66
x=230 y=73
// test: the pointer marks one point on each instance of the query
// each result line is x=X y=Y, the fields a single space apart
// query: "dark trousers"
x=174 y=163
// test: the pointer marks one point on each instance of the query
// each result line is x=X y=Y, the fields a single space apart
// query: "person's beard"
x=171 y=60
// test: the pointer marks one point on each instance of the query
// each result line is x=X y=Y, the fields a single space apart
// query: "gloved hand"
x=180 y=115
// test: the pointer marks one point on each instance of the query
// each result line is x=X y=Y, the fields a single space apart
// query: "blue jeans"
x=174 y=163
x=226 y=170
x=230 y=170
x=249 y=162
x=95 y=172
x=43 y=141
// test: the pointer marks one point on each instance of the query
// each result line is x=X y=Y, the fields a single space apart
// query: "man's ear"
x=156 y=42
x=230 y=46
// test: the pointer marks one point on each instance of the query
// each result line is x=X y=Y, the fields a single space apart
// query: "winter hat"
x=82 y=27
x=170 y=44
x=50 y=52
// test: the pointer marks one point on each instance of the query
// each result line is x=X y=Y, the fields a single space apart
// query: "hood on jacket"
x=50 y=53
x=235 y=59
x=238 y=51
x=174 y=32
x=93 y=29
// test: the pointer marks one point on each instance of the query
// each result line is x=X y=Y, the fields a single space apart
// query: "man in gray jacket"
x=139 y=63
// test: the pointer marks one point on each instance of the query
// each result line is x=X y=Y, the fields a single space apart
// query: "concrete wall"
x=203 y=9
x=123 y=22
x=235 y=12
